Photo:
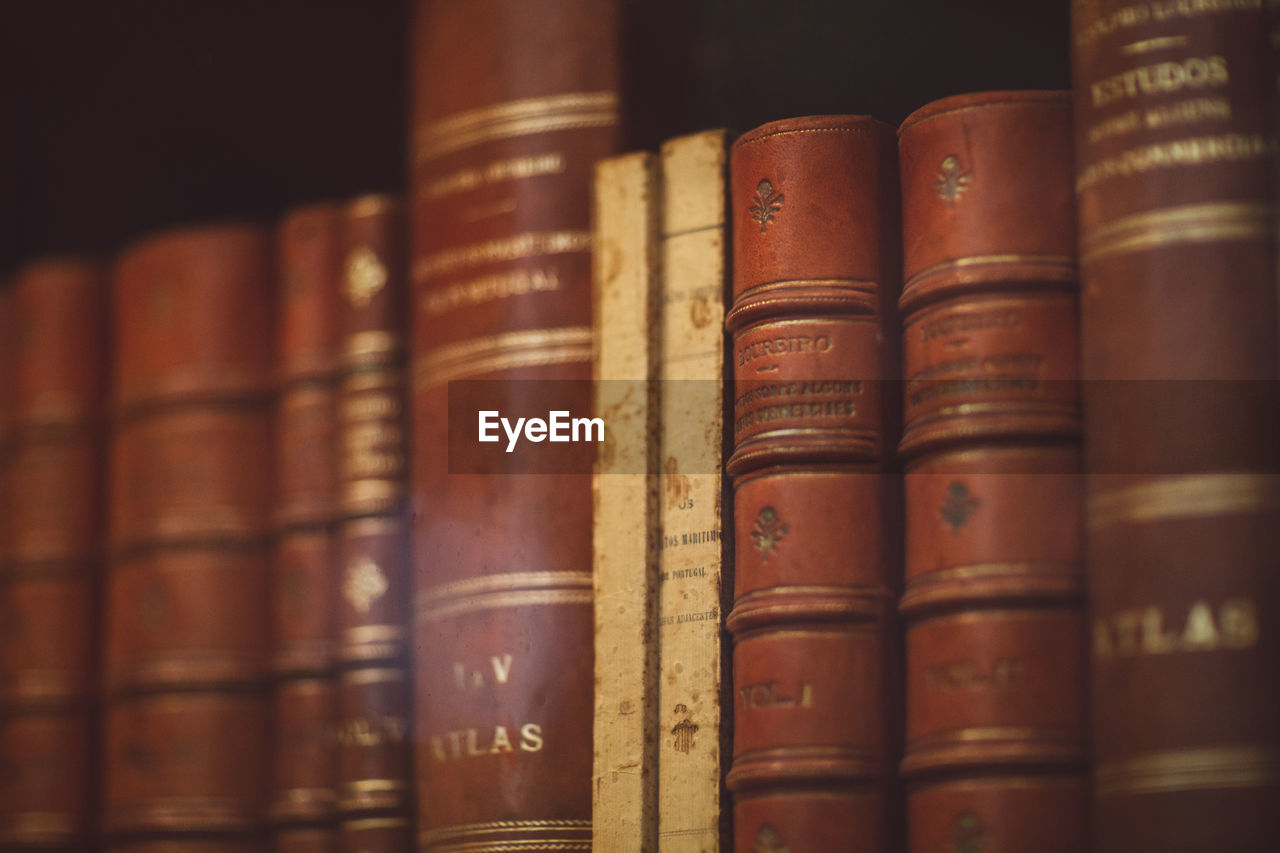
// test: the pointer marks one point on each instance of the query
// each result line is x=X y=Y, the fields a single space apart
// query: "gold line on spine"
x=567 y=111
x=1212 y=768
x=1195 y=223
x=530 y=244
x=528 y=348
x=1191 y=496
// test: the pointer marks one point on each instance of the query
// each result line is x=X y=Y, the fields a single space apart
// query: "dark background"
x=122 y=116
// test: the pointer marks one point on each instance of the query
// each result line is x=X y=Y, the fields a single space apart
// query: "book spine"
x=626 y=212
x=815 y=281
x=501 y=169
x=996 y=740
x=302 y=804
x=189 y=520
x=48 y=660
x=1175 y=176
x=375 y=794
x=693 y=681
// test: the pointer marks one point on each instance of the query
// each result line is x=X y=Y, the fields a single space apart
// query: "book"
x=693 y=683
x=500 y=247
x=996 y=723
x=185 y=756
x=56 y=389
x=815 y=279
x=625 y=226
x=1175 y=127
x=302 y=803
x=372 y=586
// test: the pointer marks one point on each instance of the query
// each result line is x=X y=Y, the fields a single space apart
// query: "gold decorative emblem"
x=766 y=204
x=366 y=275
x=958 y=506
x=684 y=730
x=951 y=181
x=364 y=584
x=968 y=835
x=767 y=841
x=768 y=532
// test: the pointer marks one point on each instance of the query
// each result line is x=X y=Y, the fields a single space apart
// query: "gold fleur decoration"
x=366 y=275
x=958 y=506
x=365 y=583
x=768 y=841
x=951 y=181
x=766 y=203
x=768 y=532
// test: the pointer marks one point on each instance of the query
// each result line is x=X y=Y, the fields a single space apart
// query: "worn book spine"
x=190 y=521
x=815 y=280
x=1175 y=118
x=996 y=735
x=500 y=241
x=302 y=802
x=49 y=589
x=375 y=762
x=626 y=211
x=693 y=684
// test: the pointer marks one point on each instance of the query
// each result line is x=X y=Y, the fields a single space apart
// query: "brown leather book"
x=500 y=182
x=190 y=520
x=815 y=283
x=1175 y=175
x=993 y=599
x=371 y=589
x=302 y=802
x=50 y=582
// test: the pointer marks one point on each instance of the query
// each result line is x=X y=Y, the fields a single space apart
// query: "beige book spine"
x=626 y=197
x=692 y=565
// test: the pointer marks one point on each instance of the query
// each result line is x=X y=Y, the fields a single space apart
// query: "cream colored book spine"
x=625 y=278
x=693 y=748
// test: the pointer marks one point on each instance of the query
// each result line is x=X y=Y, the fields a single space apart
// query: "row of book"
x=828 y=588
x=879 y=635
x=205 y=549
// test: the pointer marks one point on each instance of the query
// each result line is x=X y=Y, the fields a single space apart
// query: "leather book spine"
x=693 y=682
x=993 y=599
x=500 y=240
x=372 y=587
x=1175 y=117
x=626 y=211
x=186 y=757
x=49 y=589
x=815 y=282
x=302 y=803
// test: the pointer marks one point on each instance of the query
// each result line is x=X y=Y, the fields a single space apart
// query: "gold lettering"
x=501 y=668
x=1161 y=79
x=1141 y=631
x=1154 y=640
x=1003 y=673
x=1238 y=623
x=501 y=743
x=1200 y=633
x=769 y=695
x=531 y=737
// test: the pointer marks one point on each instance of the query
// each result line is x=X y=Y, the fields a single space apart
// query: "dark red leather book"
x=500 y=246
x=303 y=798
x=371 y=589
x=815 y=282
x=996 y=740
x=1175 y=118
x=187 y=615
x=50 y=584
